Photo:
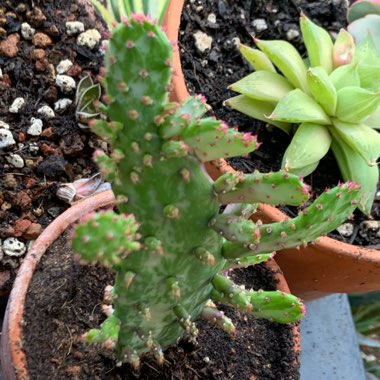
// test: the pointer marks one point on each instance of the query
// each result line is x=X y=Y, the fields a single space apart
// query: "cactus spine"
x=168 y=246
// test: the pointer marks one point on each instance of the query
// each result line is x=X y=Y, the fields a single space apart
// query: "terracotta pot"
x=12 y=357
x=317 y=270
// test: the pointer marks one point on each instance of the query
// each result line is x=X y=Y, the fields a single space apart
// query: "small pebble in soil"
x=13 y=247
x=1 y=74
x=203 y=41
x=74 y=27
x=52 y=166
x=15 y=160
x=370 y=227
x=292 y=34
x=27 y=31
x=41 y=40
x=259 y=24
x=6 y=138
x=90 y=38
x=1 y=251
x=211 y=18
x=35 y=128
x=17 y=105
x=65 y=83
x=46 y=112
x=4 y=125
x=62 y=105
x=64 y=66
x=346 y=229
x=8 y=47
x=33 y=148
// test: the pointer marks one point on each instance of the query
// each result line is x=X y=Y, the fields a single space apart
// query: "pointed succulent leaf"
x=272 y=188
x=374 y=120
x=107 y=15
x=362 y=8
x=257 y=58
x=88 y=96
x=313 y=222
x=356 y=104
x=364 y=27
x=277 y=306
x=344 y=76
x=318 y=44
x=303 y=151
x=287 y=59
x=298 y=107
x=344 y=48
x=361 y=138
x=263 y=85
x=84 y=84
x=211 y=139
x=256 y=109
x=322 y=89
x=354 y=168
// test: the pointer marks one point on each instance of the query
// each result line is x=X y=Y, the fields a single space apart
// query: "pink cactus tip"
x=125 y=20
x=303 y=308
x=130 y=44
x=306 y=189
x=140 y=18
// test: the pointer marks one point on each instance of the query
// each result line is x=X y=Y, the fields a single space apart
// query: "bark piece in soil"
x=63 y=303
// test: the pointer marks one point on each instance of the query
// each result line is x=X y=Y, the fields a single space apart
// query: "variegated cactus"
x=170 y=246
x=330 y=101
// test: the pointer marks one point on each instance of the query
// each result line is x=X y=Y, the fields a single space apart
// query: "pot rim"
x=13 y=358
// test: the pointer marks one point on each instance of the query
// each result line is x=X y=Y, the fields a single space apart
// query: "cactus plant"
x=364 y=19
x=330 y=101
x=170 y=247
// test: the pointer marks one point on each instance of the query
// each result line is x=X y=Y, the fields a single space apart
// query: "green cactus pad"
x=275 y=305
x=272 y=188
x=212 y=139
x=314 y=221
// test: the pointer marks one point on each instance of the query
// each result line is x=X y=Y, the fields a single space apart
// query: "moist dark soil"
x=64 y=302
x=211 y=72
x=62 y=151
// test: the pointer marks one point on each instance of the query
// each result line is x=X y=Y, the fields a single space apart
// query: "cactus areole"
x=169 y=245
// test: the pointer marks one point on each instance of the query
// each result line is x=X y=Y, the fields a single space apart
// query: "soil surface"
x=70 y=305
x=34 y=162
x=212 y=71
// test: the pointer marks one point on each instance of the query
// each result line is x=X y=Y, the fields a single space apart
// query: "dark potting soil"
x=62 y=152
x=211 y=72
x=64 y=302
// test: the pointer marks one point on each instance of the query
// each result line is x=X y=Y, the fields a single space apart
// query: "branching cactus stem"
x=169 y=244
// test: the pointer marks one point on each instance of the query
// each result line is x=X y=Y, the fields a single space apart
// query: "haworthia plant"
x=169 y=246
x=333 y=101
x=117 y=9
